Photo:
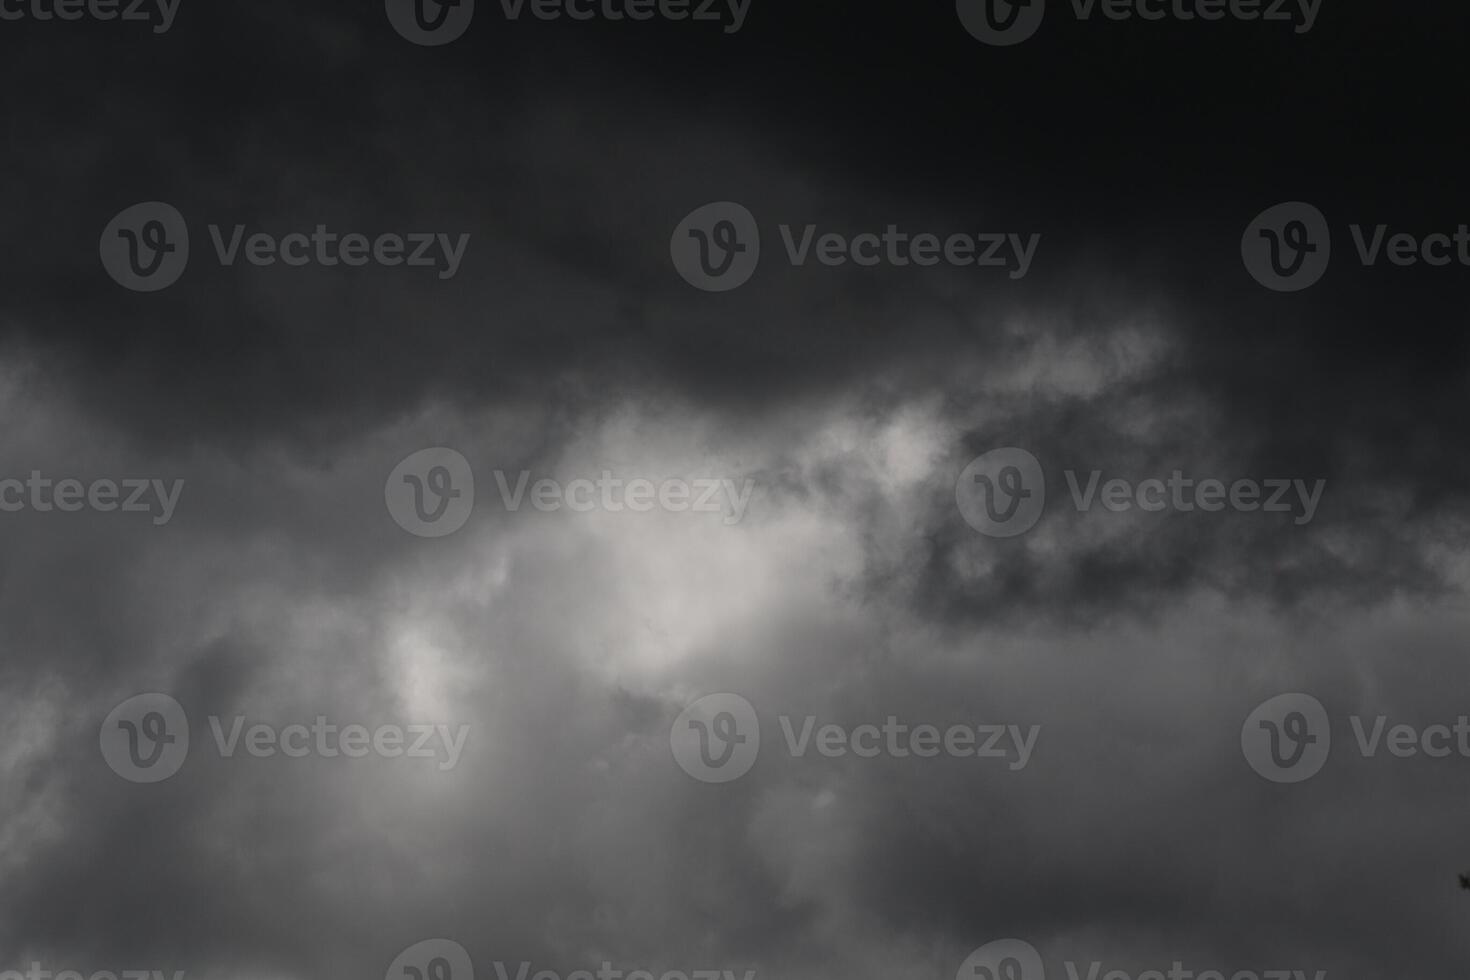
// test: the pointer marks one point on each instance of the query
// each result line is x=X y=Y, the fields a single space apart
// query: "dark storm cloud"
x=567 y=835
x=569 y=155
x=568 y=171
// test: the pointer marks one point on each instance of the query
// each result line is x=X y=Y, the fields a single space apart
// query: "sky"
x=594 y=545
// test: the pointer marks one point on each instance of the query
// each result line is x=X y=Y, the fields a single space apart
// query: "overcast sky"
x=836 y=576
